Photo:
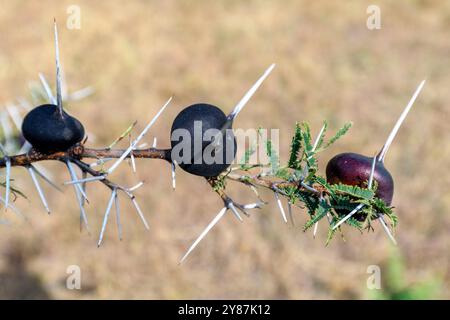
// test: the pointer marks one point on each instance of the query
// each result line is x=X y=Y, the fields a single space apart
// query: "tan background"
x=329 y=66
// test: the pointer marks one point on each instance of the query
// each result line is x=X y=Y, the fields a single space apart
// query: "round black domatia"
x=204 y=116
x=354 y=169
x=47 y=131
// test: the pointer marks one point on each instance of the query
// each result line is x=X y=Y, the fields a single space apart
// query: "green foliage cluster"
x=311 y=190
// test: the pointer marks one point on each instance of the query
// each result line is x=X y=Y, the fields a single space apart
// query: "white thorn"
x=142 y=145
x=154 y=142
x=38 y=187
x=140 y=184
x=386 y=229
x=399 y=122
x=136 y=141
x=241 y=104
x=45 y=178
x=235 y=212
x=348 y=216
x=80 y=94
x=329 y=218
x=8 y=182
x=15 y=116
x=291 y=217
x=64 y=88
x=253 y=205
x=133 y=162
x=280 y=206
x=47 y=89
x=105 y=218
x=24 y=104
x=84 y=180
x=77 y=189
x=6 y=126
x=372 y=172
x=117 y=207
x=316 y=225
x=83 y=200
x=141 y=215
x=58 y=73
x=173 y=166
x=100 y=162
x=316 y=142
x=204 y=233
x=75 y=178
x=25 y=148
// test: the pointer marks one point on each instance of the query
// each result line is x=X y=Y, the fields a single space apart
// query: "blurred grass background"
x=329 y=66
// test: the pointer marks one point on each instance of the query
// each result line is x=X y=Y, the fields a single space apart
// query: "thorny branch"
x=80 y=152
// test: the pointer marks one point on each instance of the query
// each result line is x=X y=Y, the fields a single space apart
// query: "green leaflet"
x=342 y=131
x=322 y=210
x=296 y=145
x=353 y=191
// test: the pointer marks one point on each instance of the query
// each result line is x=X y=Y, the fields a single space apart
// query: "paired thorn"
x=231 y=206
x=280 y=206
x=204 y=233
x=45 y=178
x=105 y=218
x=399 y=122
x=38 y=188
x=136 y=141
x=241 y=104
x=359 y=207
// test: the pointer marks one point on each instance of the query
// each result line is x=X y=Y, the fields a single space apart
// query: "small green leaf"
x=296 y=145
x=321 y=212
x=338 y=134
x=353 y=191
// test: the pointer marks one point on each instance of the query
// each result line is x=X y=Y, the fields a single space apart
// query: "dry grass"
x=329 y=66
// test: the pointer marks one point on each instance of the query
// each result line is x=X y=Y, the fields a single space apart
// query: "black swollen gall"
x=205 y=133
x=48 y=130
x=48 y=127
x=196 y=120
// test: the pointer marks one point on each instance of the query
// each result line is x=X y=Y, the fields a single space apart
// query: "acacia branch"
x=80 y=152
